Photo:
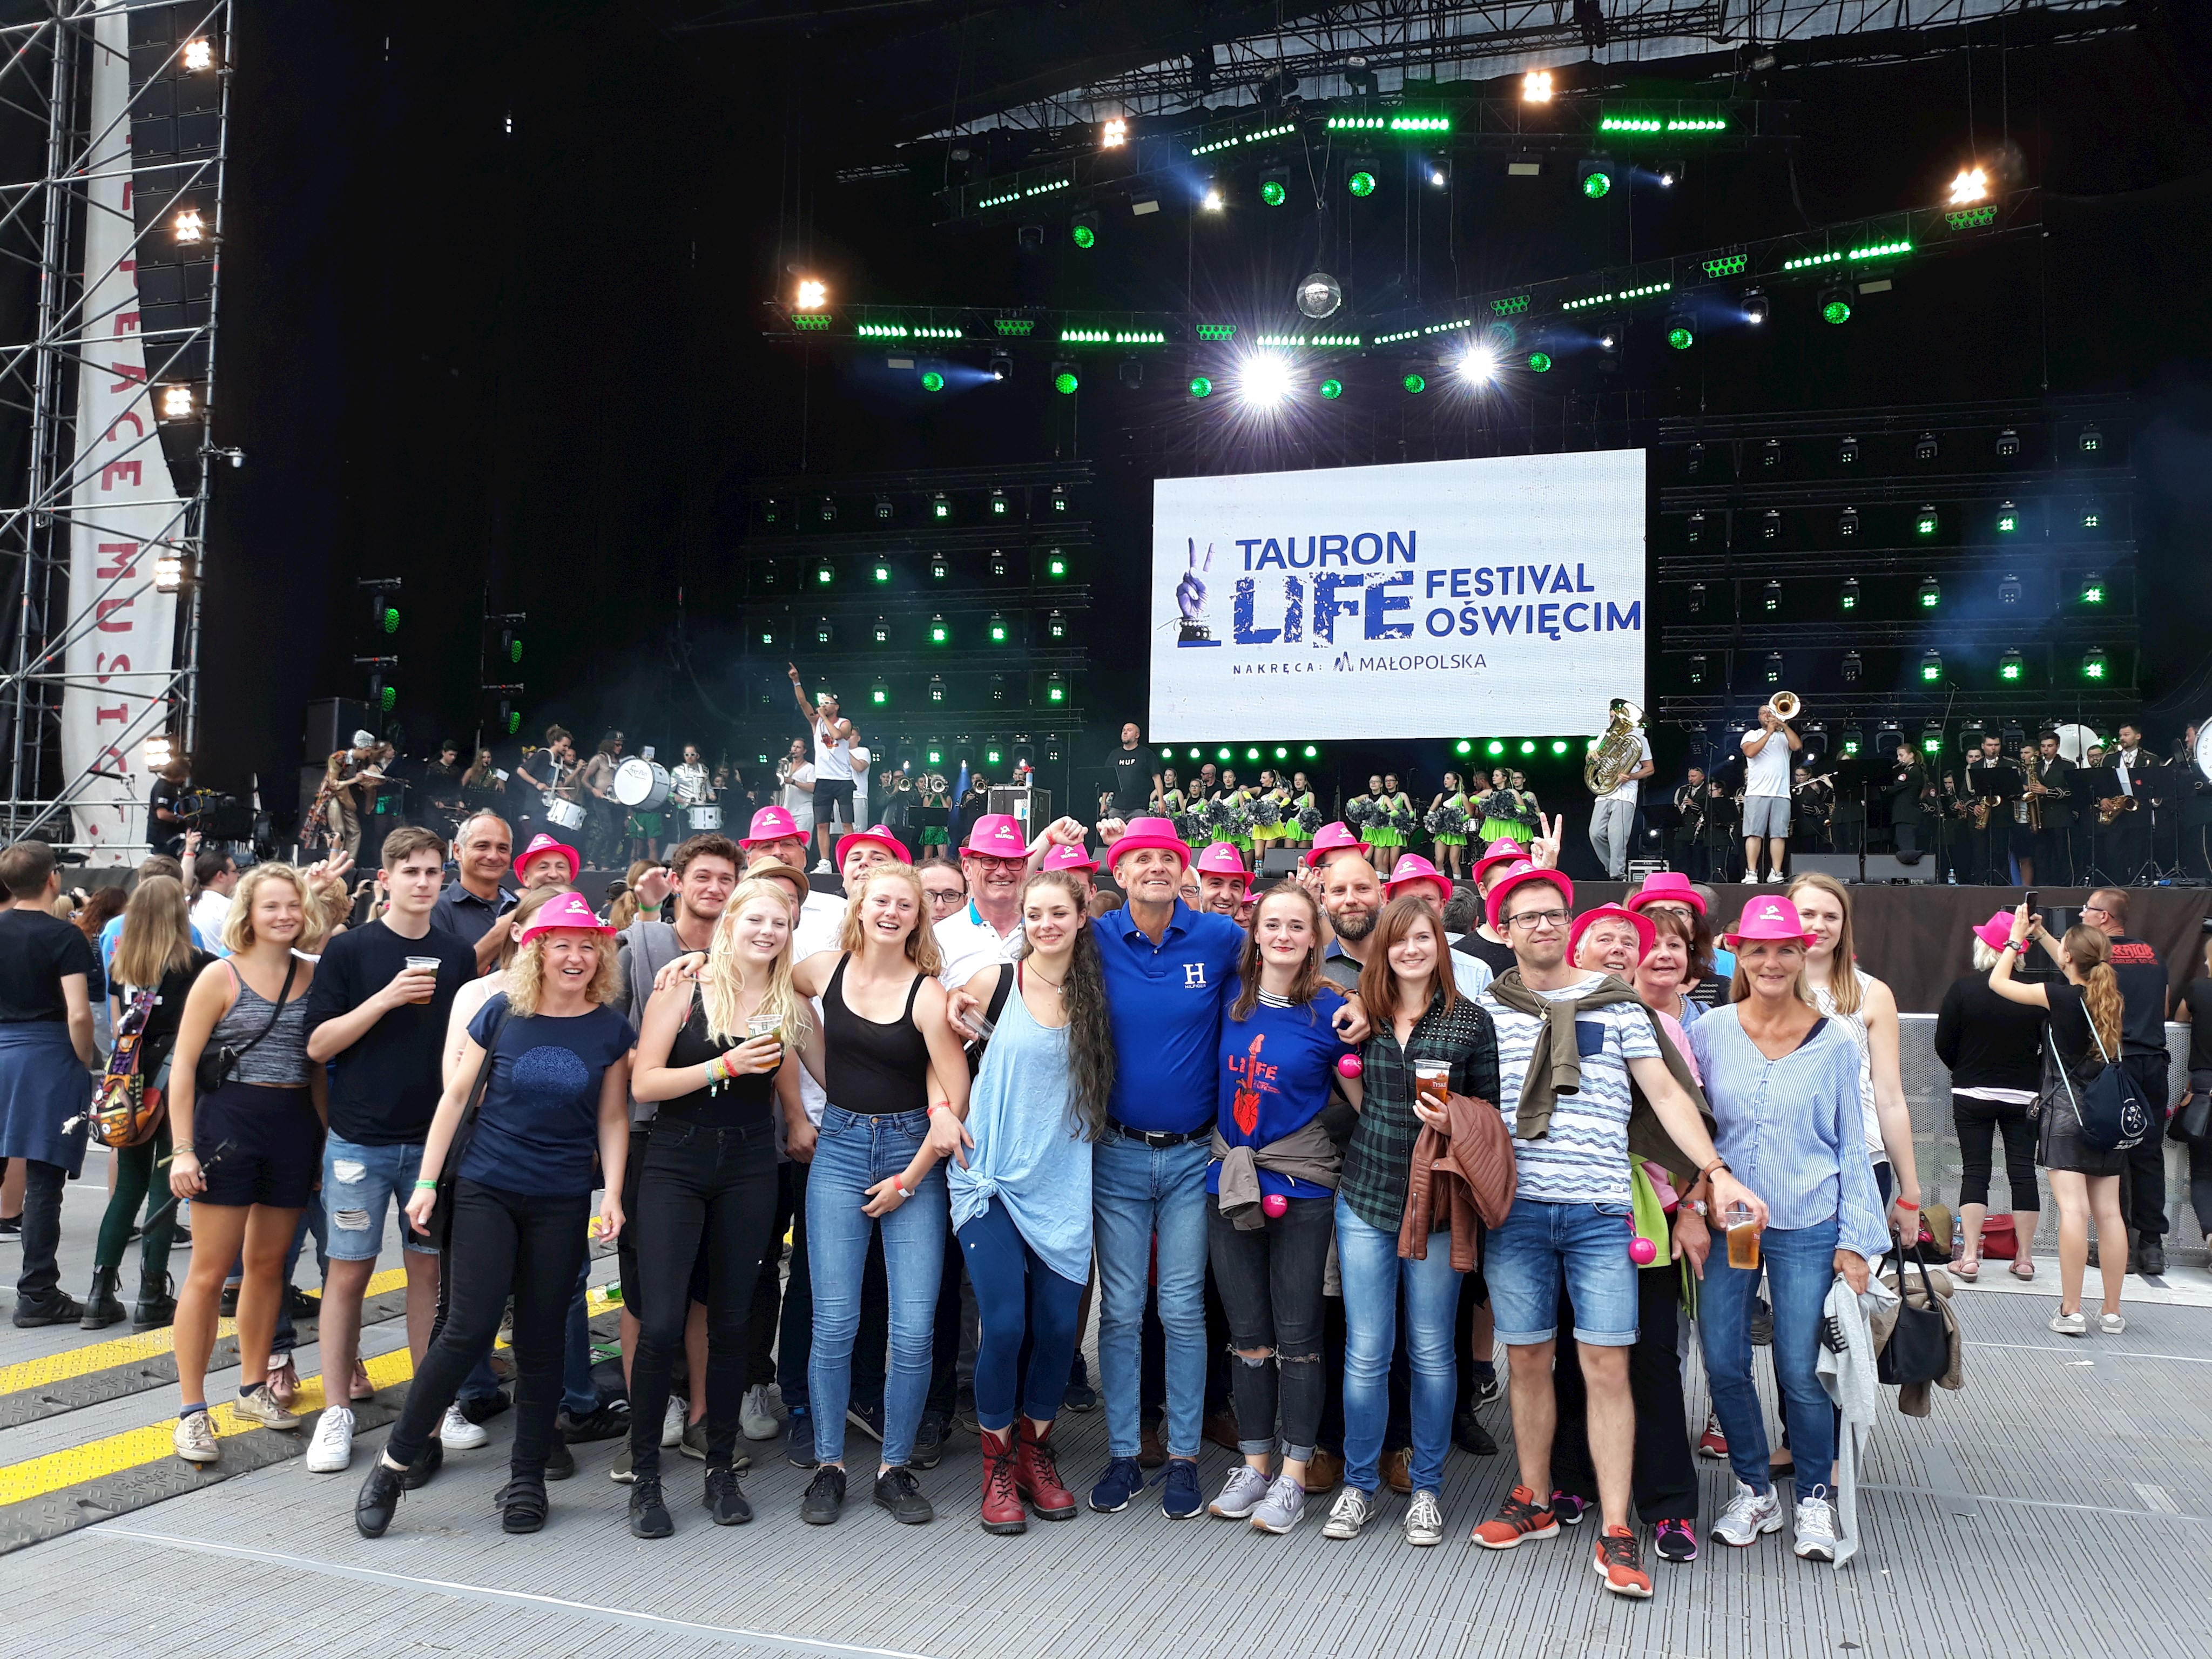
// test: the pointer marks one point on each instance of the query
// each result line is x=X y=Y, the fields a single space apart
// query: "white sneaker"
x=2111 y=1324
x=822 y=867
x=1774 y=877
x=331 y=1449
x=459 y=1434
x=1748 y=1514
x=2069 y=1324
x=672 y=1421
x=756 y=1418
x=195 y=1438
x=1816 y=1529
x=1353 y=1509
x=1425 y=1520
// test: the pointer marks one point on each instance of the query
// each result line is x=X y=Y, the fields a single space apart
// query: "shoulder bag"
x=216 y=1065
x=128 y=1105
x=2110 y=1109
x=997 y=1006
x=441 y=1209
x=1919 y=1345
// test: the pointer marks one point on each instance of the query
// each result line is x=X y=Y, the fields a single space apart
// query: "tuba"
x=1616 y=754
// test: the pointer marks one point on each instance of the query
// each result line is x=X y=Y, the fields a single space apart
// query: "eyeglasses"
x=2098 y=909
x=1538 y=918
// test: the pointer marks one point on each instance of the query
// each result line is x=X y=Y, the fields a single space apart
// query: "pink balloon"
x=1274 y=1204
x=1641 y=1251
x=1349 y=1065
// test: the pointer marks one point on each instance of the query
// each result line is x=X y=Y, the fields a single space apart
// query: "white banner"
x=1500 y=598
x=123 y=505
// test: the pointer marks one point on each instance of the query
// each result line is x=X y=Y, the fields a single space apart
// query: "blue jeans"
x=1020 y=1304
x=1138 y=1191
x=358 y=1181
x=1367 y=1263
x=1800 y=1266
x=1524 y=1259
x=853 y=1154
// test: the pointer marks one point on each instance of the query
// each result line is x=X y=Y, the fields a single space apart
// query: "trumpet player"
x=1767 y=748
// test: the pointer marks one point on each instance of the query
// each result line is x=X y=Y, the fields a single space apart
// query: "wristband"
x=899 y=1187
x=425 y=1186
x=941 y=1106
x=182 y=1146
x=1704 y=1171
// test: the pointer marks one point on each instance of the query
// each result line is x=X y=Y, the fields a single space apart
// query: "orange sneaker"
x=1619 y=1562
x=1522 y=1517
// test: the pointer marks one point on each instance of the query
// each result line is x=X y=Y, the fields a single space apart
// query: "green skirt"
x=1382 y=835
x=1445 y=838
x=1504 y=830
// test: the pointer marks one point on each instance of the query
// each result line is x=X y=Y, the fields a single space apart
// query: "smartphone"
x=2031 y=901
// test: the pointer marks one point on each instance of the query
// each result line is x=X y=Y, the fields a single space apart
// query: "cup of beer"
x=1742 y=1222
x=1432 y=1082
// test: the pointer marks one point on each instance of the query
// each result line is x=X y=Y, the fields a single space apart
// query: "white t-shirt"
x=860 y=759
x=1766 y=773
x=833 y=761
x=210 y=909
x=799 y=803
x=1583 y=1159
x=1628 y=788
x=969 y=945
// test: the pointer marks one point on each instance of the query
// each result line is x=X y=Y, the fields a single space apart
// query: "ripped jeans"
x=1270 y=1279
x=357 y=1181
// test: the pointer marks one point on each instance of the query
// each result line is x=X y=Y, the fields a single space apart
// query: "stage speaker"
x=332 y=723
x=1879 y=867
x=1030 y=808
x=1281 y=860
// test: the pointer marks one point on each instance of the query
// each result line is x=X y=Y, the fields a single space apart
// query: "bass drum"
x=705 y=819
x=641 y=785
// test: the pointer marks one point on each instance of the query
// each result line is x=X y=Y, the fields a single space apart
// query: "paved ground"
x=2061 y=1504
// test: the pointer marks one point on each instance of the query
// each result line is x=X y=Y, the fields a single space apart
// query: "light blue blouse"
x=1790 y=1128
x=1028 y=1154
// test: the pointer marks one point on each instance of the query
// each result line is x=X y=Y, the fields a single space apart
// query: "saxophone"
x=1618 y=752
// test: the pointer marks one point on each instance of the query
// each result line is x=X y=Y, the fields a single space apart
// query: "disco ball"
x=1319 y=294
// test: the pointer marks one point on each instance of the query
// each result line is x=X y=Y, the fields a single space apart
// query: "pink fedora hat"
x=1148 y=832
x=1645 y=932
x=1067 y=855
x=997 y=836
x=1223 y=859
x=1670 y=884
x=1333 y=838
x=772 y=823
x=541 y=845
x=1996 y=932
x=1520 y=875
x=877 y=836
x=1413 y=869
x=1769 y=917
x=1504 y=850
x=569 y=910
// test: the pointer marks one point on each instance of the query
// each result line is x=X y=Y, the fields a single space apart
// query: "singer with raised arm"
x=1766 y=750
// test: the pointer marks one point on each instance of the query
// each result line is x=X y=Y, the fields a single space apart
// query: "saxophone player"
x=1767 y=747
x=1989 y=785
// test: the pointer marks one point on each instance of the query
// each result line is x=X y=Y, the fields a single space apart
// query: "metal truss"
x=1377 y=45
x=46 y=72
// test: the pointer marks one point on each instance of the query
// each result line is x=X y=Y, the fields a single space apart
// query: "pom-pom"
x=1641 y=1251
x=1275 y=1205
x=1349 y=1066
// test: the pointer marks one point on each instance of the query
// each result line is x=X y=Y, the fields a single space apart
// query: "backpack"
x=129 y=1105
x=2111 y=1108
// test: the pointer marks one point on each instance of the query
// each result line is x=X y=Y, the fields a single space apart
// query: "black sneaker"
x=1762 y=1323
x=649 y=1515
x=56 y=1309
x=726 y=1503
x=928 y=1441
x=2151 y=1262
x=378 y=1500
x=12 y=1227
x=482 y=1409
x=868 y=1419
x=420 y=1472
x=228 y=1305
x=1469 y=1436
x=799 y=1442
x=303 y=1305
x=560 y=1462
x=607 y=1420
x=826 y=1497
x=897 y=1491
x=1080 y=1397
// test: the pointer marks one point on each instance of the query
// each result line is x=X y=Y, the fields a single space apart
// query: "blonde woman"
x=248 y=1153
x=719 y=1053
x=2084 y=1036
x=557 y=1095
x=155 y=964
x=883 y=1132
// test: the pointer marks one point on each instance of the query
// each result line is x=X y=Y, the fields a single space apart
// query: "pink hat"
x=1769 y=917
x=1411 y=867
x=772 y=823
x=1645 y=932
x=1223 y=859
x=1996 y=932
x=544 y=844
x=877 y=836
x=1333 y=838
x=997 y=836
x=1069 y=855
x=1148 y=832
x=1518 y=875
x=1670 y=884
x=1504 y=850
x=569 y=910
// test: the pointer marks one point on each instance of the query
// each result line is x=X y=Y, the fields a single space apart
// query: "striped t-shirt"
x=1583 y=1159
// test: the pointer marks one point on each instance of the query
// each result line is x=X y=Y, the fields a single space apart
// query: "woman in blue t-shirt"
x=1275 y=1175
x=557 y=1098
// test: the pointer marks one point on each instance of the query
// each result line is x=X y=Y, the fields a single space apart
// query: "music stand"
x=2092 y=784
x=2162 y=787
x=2003 y=783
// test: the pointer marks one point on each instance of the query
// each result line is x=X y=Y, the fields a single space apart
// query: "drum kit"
x=643 y=785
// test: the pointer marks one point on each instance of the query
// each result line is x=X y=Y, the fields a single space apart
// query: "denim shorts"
x=357 y=1181
x=1538 y=1242
x=1767 y=816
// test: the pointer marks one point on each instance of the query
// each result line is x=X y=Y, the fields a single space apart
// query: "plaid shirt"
x=1382 y=1152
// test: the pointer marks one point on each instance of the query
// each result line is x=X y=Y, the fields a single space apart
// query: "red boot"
x=1002 y=1503
x=1037 y=1475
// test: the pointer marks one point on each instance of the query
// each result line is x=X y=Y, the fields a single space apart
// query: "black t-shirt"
x=160 y=1034
x=37 y=950
x=1131 y=770
x=2142 y=991
x=385 y=1089
x=166 y=836
x=2197 y=996
x=1498 y=956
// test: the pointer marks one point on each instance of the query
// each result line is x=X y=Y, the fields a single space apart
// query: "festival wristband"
x=941 y=1106
x=425 y=1186
x=899 y=1187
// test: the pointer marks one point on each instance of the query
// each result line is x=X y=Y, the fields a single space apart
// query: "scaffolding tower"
x=112 y=252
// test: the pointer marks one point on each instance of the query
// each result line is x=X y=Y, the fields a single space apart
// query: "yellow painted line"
x=129 y=1350
x=35 y=1477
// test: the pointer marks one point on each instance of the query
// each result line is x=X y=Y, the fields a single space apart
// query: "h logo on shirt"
x=1194 y=975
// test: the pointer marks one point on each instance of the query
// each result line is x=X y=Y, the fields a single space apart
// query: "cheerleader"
x=1450 y=809
x=1303 y=816
x=1270 y=824
x=1233 y=810
x=1167 y=794
x=1362 y=816
x=1394 y=818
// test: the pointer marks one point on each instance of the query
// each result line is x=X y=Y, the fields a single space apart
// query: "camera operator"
x=166 y=812
x=442 y=787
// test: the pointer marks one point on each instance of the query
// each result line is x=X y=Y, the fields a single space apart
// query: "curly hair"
x=921 y=943
x=525 y=975
x=1082 y=995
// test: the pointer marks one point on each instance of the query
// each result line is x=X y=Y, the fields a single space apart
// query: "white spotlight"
x=1212 y=200
x=813 y=294
x=198 y=55
x=1115 y=134
x=1266 y=381
x=1536 y=87
x=1971 y=186
x=1479 y=365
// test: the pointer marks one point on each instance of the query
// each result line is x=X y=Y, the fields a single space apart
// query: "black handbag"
x=441 y=1209
x=216 y=1066
x=2192 y=1118
x=1919 y=1345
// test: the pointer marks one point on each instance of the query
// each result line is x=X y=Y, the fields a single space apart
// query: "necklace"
x=1056 y=987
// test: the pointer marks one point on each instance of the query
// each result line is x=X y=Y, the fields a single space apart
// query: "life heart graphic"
x=1245 y=1106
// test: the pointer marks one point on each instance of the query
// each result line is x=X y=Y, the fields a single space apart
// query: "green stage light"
x=1835 y=306
x=1332 y=388
x=1083 y=230
x=387 y=617
x=1931 y=666
x=1200 y=386
x=1540 y=362
x=1224 y=754
x=939 y=633
x=1251 y=754
x=2094 y=665
x=1931 y=593
x=1463 y=747
x=1065 y=383
x=1850 y=597
x=1931 y=739
x=2010 y=666
x=2008 y=518
x=1415 y=383
x=879 y=694
x=1559 y=745
x=1361 y=183
x=998 y=629
x=1311 y=752
x=1056 y=566
x=1925 y=521
x=2092 y=588
x=1680 y=338
x=1495 y=746
x=1528 y=745
x=1596 y=184
x=1272 y=192
x=882 y=572
x=931 y=380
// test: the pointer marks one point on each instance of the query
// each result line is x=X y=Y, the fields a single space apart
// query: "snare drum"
x=705 y=819
x=641 y=785
x=564 y=814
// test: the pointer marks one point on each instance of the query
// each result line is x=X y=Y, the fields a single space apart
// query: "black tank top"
x=875 y=1071
x=740 y=1102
